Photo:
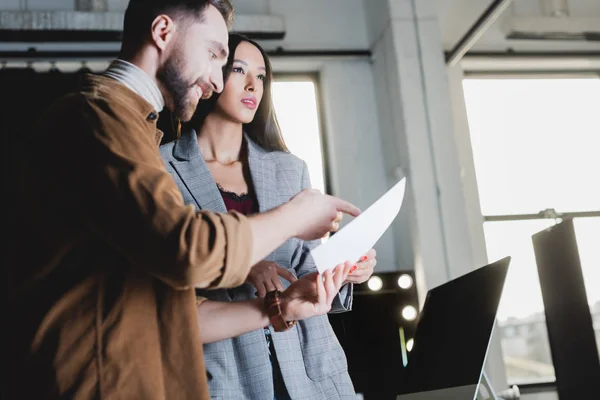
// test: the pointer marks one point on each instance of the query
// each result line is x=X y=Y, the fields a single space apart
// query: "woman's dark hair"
x=264 y=128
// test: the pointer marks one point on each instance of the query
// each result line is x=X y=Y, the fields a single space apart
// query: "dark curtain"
x=26 y=94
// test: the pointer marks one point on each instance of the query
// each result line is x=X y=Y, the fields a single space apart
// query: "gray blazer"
x=313 y=364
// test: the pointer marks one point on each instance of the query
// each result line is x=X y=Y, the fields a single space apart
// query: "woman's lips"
x=249 y=102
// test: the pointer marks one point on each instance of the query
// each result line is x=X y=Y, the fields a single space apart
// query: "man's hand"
x=264 y=276
x=363 y=269
x=316 y=214
x=313 y=294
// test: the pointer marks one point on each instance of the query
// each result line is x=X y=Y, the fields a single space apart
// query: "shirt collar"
x=137 y=80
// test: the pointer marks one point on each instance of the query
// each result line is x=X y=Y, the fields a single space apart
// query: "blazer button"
x=152 y=116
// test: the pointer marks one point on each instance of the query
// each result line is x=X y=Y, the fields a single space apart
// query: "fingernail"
x=363 y=258
x=353 y=269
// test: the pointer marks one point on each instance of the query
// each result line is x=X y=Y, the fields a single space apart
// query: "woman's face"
x=244 y=88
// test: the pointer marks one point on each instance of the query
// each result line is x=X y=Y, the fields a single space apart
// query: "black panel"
x=86 y=36
x=25 y=95
x=32 y=54
x=370 y=336
x=568 y=318
x=57 y=35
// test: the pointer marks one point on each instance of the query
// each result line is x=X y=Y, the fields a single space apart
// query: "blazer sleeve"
x=306 y=264
x=120 y=189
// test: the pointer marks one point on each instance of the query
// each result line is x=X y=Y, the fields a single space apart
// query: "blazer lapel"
x=263 y=171
x=194 y=173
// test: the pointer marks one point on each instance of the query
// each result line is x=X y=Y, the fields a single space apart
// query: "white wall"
x=390 y=113
x=318 y=24
x=357 y=169
x=353 y=136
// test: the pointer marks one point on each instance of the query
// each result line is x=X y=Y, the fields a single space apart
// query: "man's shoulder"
x=84 y=113
x=105 y=100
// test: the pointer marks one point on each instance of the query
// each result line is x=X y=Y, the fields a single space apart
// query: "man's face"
x=193 y=69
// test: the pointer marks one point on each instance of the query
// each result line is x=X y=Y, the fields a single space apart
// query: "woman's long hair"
x=264 y=128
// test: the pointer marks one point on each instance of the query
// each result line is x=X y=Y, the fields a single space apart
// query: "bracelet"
x=273 y=306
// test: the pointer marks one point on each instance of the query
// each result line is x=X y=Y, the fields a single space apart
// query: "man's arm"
x=308 y=215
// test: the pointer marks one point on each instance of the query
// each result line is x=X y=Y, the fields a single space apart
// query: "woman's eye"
x=238 y=70
x=212 y=55
x=261 y=77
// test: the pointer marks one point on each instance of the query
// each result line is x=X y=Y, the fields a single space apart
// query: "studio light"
x=409 y=313
x=409 y=344
x=405 y=281
x=375 y=283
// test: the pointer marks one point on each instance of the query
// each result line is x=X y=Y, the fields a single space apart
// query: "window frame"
x=552 y=214
x=315 y=78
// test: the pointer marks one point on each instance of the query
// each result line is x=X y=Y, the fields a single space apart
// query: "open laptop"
x=453 y=334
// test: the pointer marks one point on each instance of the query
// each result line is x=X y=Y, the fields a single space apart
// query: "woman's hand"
x=313 y=294
x=265 y=277
x=363 y=269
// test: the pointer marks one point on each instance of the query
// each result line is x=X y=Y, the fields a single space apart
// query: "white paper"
x=360 y=235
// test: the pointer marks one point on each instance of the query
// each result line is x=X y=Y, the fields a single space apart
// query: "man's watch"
x=273 y=306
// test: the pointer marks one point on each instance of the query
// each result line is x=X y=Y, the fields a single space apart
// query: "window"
x=295 y=101
x=535 y=146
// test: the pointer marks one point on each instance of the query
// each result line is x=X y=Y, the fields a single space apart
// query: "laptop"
x=453 y=334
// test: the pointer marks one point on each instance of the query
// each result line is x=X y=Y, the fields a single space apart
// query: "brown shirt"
x=106 y=256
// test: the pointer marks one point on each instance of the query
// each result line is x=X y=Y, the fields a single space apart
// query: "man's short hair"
x=140 y=14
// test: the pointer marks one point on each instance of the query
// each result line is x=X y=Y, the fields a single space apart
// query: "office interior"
x=489 y=108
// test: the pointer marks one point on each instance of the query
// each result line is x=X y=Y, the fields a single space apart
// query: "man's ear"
x=163 y=31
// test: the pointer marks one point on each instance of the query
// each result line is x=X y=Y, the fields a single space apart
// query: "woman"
x=232 y=157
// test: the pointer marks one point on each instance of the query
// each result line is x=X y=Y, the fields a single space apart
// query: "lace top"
x=243 y=203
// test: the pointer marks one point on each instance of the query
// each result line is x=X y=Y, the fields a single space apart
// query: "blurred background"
x=491 y=109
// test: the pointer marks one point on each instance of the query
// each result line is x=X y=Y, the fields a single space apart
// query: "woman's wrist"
x=276 y=307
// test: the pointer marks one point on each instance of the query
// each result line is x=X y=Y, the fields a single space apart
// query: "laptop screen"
x=454 y=330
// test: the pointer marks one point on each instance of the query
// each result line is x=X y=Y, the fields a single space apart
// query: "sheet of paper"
x=360 y=235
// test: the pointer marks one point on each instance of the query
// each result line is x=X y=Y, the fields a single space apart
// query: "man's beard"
x=171 y=77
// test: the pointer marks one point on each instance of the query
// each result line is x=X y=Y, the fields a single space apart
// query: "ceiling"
x=457 y=16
